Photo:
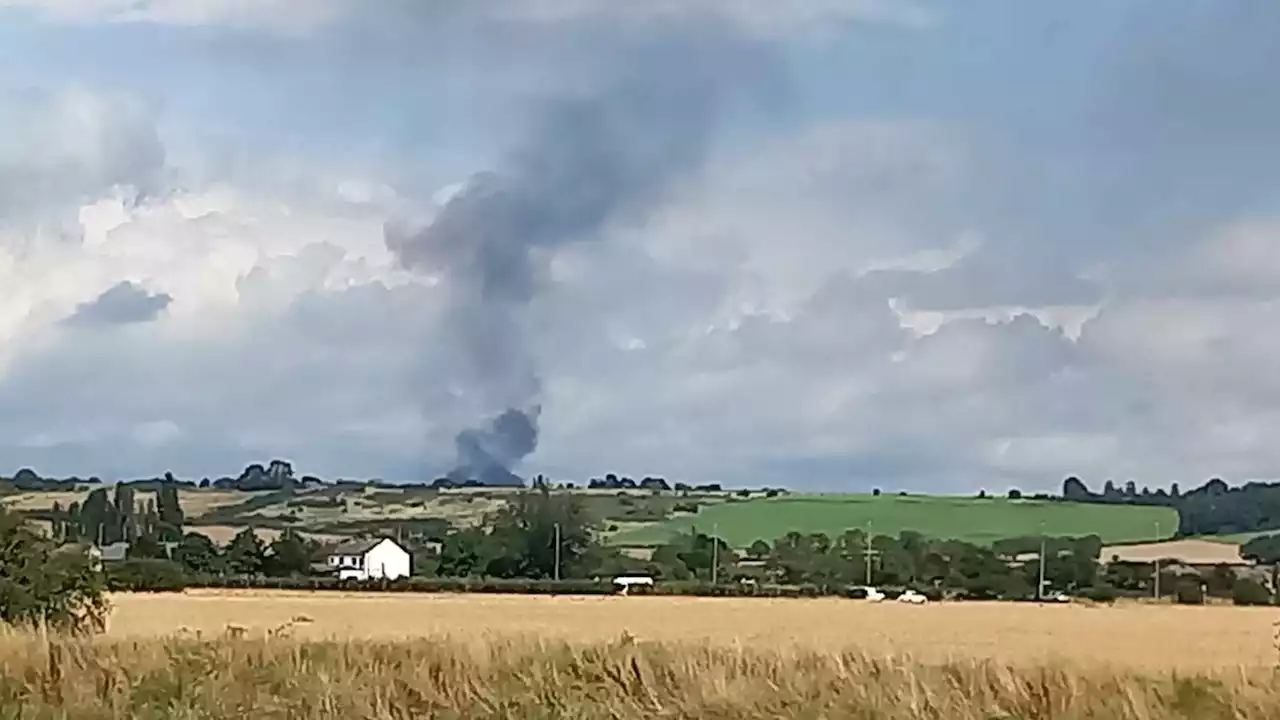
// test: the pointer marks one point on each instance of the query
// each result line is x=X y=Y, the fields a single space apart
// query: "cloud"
x=279 y=15
x=63 y=148
x=922 y=283
x=124 y=303
x=301 y=15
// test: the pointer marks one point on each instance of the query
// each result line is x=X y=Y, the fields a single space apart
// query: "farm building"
x=380 y=558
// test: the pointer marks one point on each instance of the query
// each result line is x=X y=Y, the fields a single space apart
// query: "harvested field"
x=1189 y=552
x=1133 y=637
x=222 y=534
x=194 y=502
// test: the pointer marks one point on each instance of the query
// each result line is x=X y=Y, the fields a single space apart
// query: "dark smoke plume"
x=589 y=161
x=486 y=454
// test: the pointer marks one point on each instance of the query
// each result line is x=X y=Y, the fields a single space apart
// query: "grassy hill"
x=975 y=520
x=644 y=519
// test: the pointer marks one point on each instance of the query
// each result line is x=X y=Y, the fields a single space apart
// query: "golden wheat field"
x=283 y=677
x=1131 y=637
x=310 y=656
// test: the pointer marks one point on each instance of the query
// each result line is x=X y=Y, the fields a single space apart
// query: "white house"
x=381 y=558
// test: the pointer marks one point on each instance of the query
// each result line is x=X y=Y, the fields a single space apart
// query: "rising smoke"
x=590 y=160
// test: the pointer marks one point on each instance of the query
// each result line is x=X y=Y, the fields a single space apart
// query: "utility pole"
x=715 y=553
x=557 y=552
x=1157 y=565
x=1040 y=585
x=868 y=553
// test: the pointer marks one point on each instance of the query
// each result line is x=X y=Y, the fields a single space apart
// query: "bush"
x=1100 y=593
x=1189 y=592
x=146 y=575
x=41 y=584
x=1247 y=591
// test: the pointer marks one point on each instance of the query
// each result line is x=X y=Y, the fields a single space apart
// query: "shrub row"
x=166 y=576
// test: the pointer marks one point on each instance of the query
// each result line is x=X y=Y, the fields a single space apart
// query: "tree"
x=290 y=555
x=169 y=513
x=1248 y=591
x=1015 y=494
x=692 y=555
x=1189 y=591
x=40 y=583
x=198 y=554
x=147 y=547
x=280 y=472
x=96 y=515
x=526 y=532
x=464 y=554
x=1074 y=489
x=759 y=550
x=1264 y=549
x=126 y=505
x=245 y=554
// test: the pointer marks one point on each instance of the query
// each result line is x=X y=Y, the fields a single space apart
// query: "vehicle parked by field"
x=912 y=597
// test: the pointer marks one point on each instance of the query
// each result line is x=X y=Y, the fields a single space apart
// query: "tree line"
x=1214 y=508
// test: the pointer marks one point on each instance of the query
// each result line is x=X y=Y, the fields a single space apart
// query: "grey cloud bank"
x=124 y=303
x=670 y=260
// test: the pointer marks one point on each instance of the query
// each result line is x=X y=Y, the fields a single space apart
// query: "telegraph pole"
x=557 y=552
x=715 y=553
x=1040 y=586
x=1157 y=565
x=868 y=553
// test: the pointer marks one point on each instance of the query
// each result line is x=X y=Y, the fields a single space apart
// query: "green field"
x=742 y=522
x=1238 y=538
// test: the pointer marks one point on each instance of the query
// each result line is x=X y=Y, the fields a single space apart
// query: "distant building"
x=115 y=552
x=380 y=558
x=91 y=552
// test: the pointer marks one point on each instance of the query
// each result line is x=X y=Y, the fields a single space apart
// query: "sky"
x=824 y=245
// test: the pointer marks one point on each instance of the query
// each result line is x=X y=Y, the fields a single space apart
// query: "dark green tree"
x=526 y=531
x=198 y=554
x=147 y=547
x=40 y=583
x=169 y=513
x=125 y=504
x=290 y=555
x=466 y=553
x=1248 y=591
x=245 y=555
x=95 y=515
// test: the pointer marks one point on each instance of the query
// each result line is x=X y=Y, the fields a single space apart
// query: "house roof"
x=356 y=547
x=70 y=548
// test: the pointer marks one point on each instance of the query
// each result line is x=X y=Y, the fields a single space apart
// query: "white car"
x=913 y=597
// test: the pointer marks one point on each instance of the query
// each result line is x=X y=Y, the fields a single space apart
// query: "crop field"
x=235 y=654
x=1133 y=637
x=963 y=518
x=1192 y=551
x=281 y=677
